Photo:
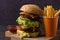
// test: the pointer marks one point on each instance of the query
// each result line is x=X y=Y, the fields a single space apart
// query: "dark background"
x=9 y=11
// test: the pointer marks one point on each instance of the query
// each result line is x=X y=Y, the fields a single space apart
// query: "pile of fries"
x=49 y=11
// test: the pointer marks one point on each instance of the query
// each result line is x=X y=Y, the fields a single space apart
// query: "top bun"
x=31 y=8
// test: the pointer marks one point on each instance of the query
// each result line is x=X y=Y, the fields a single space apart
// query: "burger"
x=29 y=21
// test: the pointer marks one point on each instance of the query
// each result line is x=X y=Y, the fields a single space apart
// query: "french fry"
x=55 y=11
x=56 y=14
x=50 y=11
x=44 y=13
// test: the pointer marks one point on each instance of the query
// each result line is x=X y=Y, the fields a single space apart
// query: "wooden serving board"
x=16 y=37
